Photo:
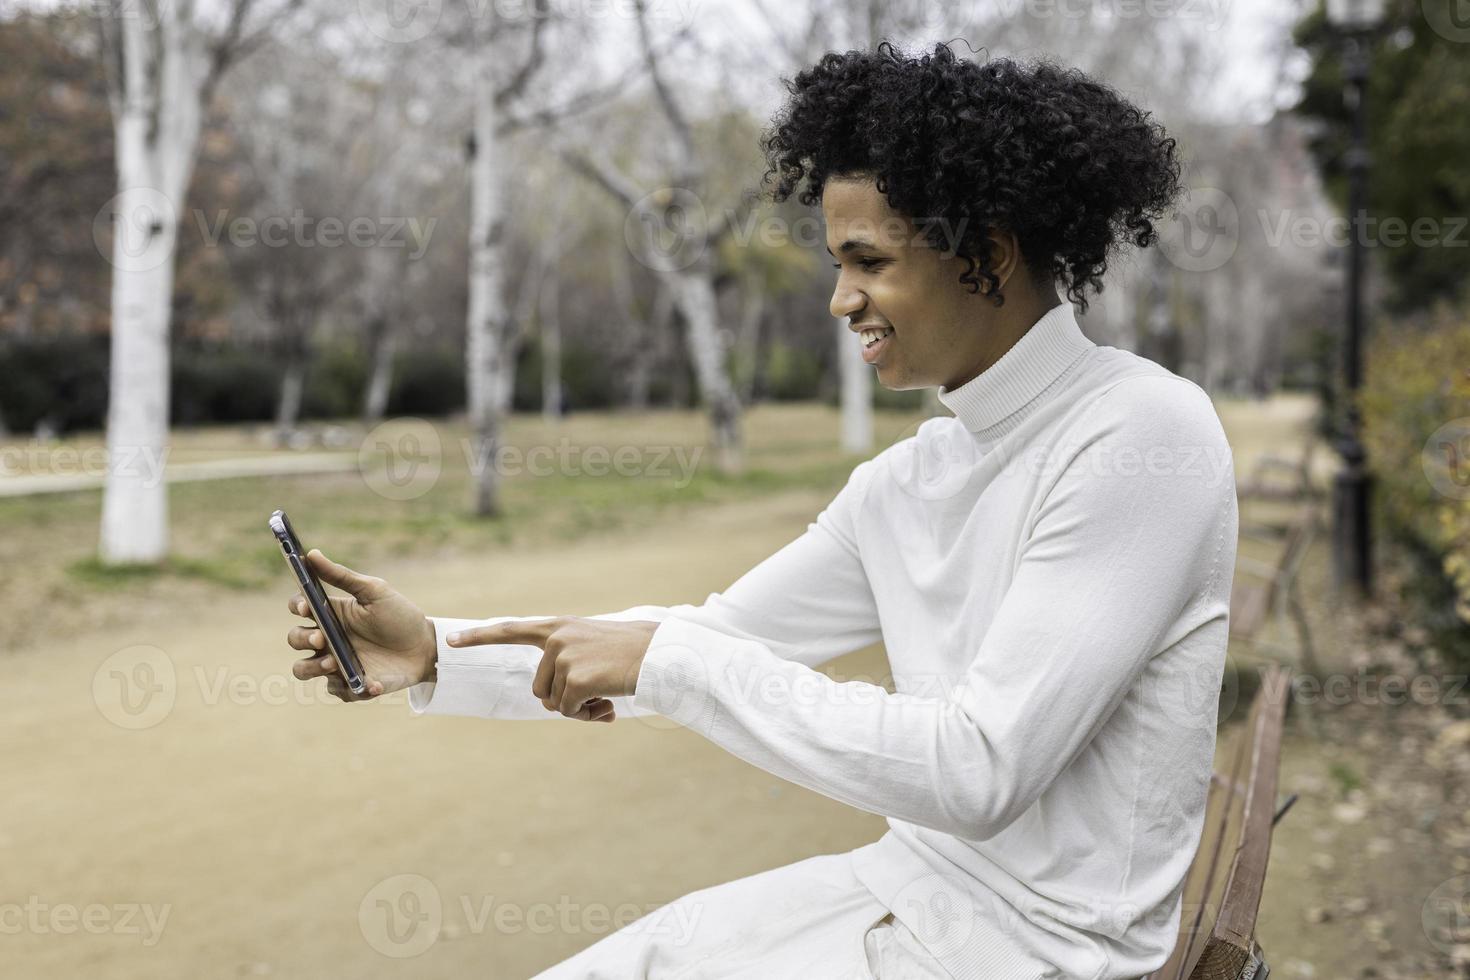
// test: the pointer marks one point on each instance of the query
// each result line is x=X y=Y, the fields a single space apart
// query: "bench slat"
x=1223 y=888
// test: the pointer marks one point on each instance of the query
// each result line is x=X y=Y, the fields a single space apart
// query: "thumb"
x=364 y=588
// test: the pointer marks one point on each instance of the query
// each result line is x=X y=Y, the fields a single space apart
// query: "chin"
x=894 y=382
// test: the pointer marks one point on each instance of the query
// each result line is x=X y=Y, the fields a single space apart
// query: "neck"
x=1004 y=327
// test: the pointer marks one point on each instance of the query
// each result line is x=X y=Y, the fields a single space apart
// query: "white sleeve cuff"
x=494 y=681
x=679 y=672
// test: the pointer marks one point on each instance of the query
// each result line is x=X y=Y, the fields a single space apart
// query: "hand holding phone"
x=373 y=634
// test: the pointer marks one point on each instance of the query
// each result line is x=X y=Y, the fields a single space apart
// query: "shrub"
x=1418 y=383
x=60 y=377
x=793 y=374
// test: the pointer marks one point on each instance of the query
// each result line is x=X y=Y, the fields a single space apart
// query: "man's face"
x=890 y=277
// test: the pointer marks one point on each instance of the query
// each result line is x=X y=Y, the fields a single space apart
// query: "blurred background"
x=482 y=293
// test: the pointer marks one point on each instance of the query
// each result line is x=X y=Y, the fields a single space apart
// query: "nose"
x=846 y=300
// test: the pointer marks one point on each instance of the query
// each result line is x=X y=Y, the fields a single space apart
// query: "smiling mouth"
x=873 y=335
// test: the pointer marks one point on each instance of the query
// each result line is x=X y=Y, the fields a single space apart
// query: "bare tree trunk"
x=288 y=401
x=380 y=381
x=160 y=73
x=747 y=339
x=695 y=293
x=690 y=281
x=487 y=326
x=490 y=331
x=857 y=391
x=156 y=132
x=551 y=394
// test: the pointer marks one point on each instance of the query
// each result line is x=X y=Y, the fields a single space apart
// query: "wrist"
x=430 y=653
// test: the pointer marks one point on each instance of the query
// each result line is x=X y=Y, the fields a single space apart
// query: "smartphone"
x=321 y=609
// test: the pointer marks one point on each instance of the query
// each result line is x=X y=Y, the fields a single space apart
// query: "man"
x=1049 y=570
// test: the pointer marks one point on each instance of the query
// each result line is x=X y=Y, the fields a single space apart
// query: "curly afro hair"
x=1060 y=160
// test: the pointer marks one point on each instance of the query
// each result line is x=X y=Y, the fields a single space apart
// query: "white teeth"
x=869 y=336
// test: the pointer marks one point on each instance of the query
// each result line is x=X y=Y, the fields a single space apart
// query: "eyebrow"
x=851 y=245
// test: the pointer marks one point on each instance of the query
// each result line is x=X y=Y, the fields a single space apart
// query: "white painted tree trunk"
x=489 y=361
x=551 y=393
x=694 y=293
x=156 y=125
x=288 y=402
x=857 y=391
x=380 y=383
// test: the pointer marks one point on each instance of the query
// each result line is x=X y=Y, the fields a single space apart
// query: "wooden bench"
x=1222 y=891
x=1264 y=587
x=1294 y=481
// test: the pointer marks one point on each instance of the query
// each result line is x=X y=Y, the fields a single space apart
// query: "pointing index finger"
x=535 y=632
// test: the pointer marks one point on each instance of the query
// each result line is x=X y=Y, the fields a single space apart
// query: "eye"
x=868 y=264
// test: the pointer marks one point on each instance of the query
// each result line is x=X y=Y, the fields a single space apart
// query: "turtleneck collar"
x=1044 y=352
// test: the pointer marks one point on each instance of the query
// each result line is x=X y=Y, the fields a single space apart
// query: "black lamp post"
x=1352 y=487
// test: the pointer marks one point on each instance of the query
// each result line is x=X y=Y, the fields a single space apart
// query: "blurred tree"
x=55 y=168
x=162 y=64
x=1419 y=141
x=672 y=234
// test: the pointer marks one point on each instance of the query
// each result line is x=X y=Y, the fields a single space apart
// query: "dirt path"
x=227 y=821
x=261 y=824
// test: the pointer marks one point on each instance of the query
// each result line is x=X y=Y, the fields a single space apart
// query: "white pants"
x=812 y=920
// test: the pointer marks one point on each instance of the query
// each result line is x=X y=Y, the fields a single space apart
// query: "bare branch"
x=541 y=13
x=793 y=52
x=730 y=219
x=109 y=45
x=583 y=101
x=675 y=115
x=601 y=171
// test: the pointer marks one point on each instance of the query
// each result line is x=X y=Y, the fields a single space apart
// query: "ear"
x=1005 y=256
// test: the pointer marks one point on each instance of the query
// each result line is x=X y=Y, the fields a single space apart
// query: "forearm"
x=494 y=681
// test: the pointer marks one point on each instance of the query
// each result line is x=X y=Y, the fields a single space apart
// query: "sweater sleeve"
x=1121 y=562
x=807 y=603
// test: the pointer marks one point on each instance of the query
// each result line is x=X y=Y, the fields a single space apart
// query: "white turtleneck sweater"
x=1049 y=572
